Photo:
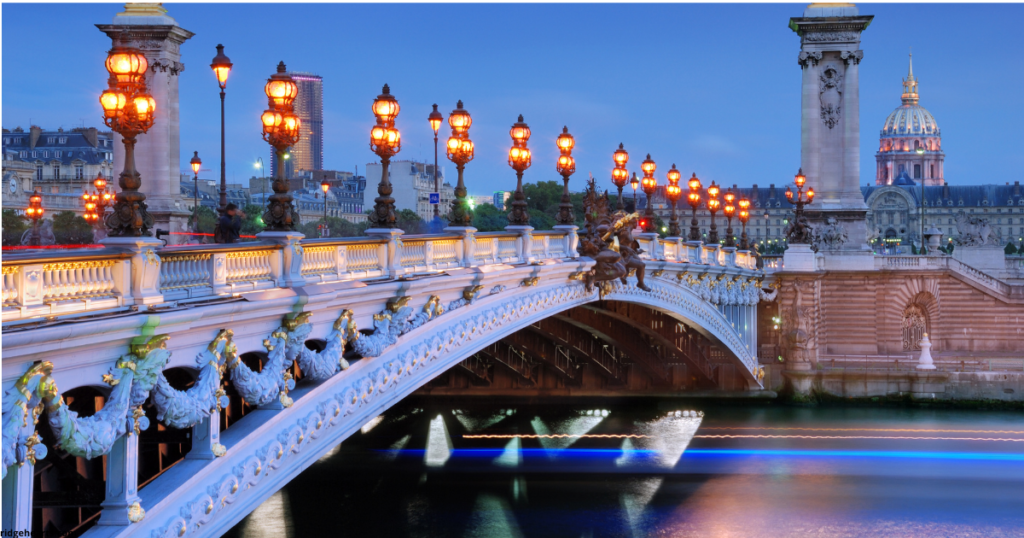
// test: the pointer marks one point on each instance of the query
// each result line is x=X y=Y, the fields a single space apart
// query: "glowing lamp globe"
x=620 y=156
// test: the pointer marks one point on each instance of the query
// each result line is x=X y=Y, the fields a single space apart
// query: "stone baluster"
x=388 y=253
x=468 y=240
x=695 y=251
x=730 y=256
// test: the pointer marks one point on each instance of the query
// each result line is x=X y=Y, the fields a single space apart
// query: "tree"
x=1010 y=249
x=410 y=222
x=14 y=225
x=207 y=220
x=252 y=224
x=70 y=229
x=488 y=218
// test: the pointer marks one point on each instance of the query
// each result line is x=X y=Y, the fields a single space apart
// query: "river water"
x=639 y=470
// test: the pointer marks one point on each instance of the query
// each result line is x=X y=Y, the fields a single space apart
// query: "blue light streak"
x=995 y=456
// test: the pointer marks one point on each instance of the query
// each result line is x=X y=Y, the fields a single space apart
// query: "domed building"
x=910 y=141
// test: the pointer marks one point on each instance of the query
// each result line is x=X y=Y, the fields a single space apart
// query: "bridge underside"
x=607 y=348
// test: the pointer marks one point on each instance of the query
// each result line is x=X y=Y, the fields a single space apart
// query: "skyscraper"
x=308 y=153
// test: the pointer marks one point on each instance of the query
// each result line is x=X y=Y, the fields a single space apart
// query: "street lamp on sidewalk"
x=619 y=174
x=129 y=111
x=281 y=131
x=650 y=185
x=325 y=186
x=460 y=152
x=196 y=162
x=221 y=67
x=565 y=165
x=673 y=192
x=519 y=159
x=436 y=119
x=385 y=141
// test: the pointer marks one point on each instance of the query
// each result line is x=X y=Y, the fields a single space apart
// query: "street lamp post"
x=196 y=163
x=694 y=200
x=729 y=210
x=385 y=141
x=620 y=175
x=650 y=184
x=673 y=192
x=519 y=158
x=634 y=182
x=799 y=231
x=128 y=110
x=713 y=205
x=281 y=131
x=221 y=67
x=744 y=216
x=34 y=211
x=263 y=179
x=460 y=152
x=565 y=166
x=325 y=186
x=96 y=205
x=436 y=119
x=920 y=151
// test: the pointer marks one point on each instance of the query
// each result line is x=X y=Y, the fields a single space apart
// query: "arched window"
x=914 y=325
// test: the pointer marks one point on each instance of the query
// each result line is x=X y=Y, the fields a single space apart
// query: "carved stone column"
x=830 y=121
x=157 y=153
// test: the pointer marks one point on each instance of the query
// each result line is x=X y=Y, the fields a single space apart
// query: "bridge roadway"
x=367 y=321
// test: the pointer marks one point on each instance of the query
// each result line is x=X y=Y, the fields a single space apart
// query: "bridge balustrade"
x=37 y=285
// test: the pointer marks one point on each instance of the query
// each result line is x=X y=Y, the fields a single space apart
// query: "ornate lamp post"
x=673 y=191
x=128 y=110
x=436 y=119
x=519 y=159
x=650 y=184
x=221 y=67
x=799 y=231
x=713 y=205
x=460 y=152
x=96 y=205
x=694 y=201
x=620 y=175
x=281 y=131
x=744 y=216
x=196 y=162
x=34 y=211
x=385 y=141
x=729 y=210
x=566 y=165
x=634 y=182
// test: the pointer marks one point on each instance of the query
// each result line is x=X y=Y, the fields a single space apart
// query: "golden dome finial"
x=910 y=96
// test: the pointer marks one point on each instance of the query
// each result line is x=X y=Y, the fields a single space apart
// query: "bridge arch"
x=266 y=450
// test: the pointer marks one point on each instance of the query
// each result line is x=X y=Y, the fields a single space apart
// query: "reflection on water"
x=738 y=471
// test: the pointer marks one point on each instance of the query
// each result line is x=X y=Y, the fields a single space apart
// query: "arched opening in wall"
x=68 y=490
x=914 y=324
x=160 y=447
x=891 y=233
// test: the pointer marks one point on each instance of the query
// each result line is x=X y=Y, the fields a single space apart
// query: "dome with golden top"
x=910 y=119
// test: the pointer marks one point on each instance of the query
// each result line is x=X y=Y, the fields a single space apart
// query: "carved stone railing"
x=64 y=283
x=37 y=285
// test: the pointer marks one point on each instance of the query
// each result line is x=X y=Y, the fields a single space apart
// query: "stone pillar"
x=830 y=121
x=121 y=505
x=17 y=494
x=157 y=153
x=390 y=252
x=525 y=233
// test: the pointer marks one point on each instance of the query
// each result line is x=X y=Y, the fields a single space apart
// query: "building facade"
x=413 y=182
x=60 y=164
x=308 y=153
x=895 y=212
x=910 y=141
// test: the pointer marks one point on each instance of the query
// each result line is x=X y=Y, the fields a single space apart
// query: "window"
x=63 y=140
x=932 y=171
x=79 y=172
x=57 y=154
x=23 y=154
x=917 y=171
x=56 y=171
x=39 y=172
x=49 y=140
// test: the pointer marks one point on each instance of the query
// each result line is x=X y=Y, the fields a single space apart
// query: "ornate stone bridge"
x=212 y=375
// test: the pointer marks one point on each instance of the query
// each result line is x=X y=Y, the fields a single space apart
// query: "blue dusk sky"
x=713 y=88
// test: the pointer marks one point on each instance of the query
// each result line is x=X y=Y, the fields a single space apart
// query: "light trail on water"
x=902 y=437
x=915 y=430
